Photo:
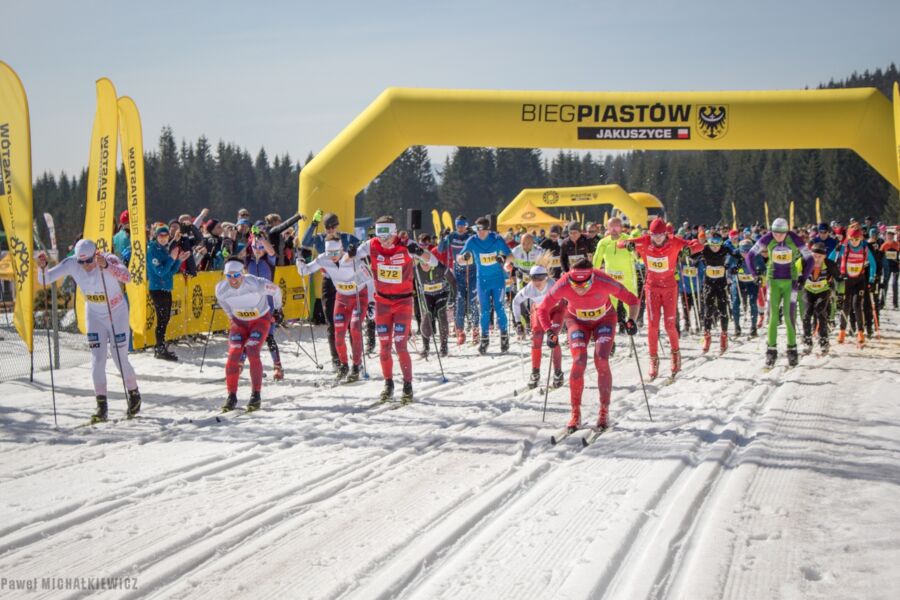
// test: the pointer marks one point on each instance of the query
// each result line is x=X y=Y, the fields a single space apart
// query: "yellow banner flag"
x=447 y=220
x=133 y=159
x=791 y=215
x=16 y=205
x=818 y=211
x=766 y=206
x=605 y=217
x=733 y=216
x=101 y=184
x=436 y=220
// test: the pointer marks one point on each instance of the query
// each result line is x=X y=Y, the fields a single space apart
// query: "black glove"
x=351 y=250
x=630 y=327
x=278 y=315
x=552 y=339
x=370 y=311
x=801 y=281
x=734 y=270
x=520 y=329
x=415 y=249
x=500 y=258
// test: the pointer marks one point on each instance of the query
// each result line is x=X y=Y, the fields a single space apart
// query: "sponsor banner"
x=16 y=203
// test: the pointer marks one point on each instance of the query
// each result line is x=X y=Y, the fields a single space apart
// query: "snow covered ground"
x=745 y=485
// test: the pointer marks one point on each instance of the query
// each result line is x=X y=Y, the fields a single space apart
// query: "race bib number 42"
x=390 y=273
x=782 y=256
x=658 y=264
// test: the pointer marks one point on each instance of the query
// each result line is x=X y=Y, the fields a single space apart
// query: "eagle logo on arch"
x=712 y=121
x=551 y=197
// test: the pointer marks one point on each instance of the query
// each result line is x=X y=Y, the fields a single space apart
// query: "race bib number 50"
x=390 y=273
x=658 y=264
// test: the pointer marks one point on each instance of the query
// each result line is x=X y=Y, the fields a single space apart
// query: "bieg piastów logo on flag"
x=551 y=197
x=197 y=301
x=712 y=121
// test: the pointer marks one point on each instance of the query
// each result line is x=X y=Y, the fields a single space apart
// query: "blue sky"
x=290 y=75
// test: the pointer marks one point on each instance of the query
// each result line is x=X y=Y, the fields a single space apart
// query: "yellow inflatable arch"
x=860 y=119
x=633 y=206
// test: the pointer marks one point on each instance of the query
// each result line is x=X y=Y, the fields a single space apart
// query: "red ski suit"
x=589 y=315
x=660 y=287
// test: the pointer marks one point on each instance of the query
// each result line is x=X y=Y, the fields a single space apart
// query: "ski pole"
x=312 y=332
x=641 y=376
x=360 y=318
x=208 y=335
x=113 y=329
x=50 y=349
x=547 y=386
x=875 y=317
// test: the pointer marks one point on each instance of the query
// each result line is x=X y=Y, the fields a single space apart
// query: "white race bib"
x=782 y=256
x=389 y=273
x=890 y=254
x=554 y=262
x=431 y=288
x=715 y=272
x=346 y=287
x=854 y=269
x=689 y=271
x=246 y=314
x=575 y=258
x=658 y=264
x=817 y=286
x=745 y=277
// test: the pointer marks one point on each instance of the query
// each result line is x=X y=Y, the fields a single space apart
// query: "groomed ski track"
x=745 y=485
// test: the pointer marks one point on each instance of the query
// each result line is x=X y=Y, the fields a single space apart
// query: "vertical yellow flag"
x=791 y=215
x=436 y=220
x=766 y=206
x=447 y=220
x=818 y=212
x=605 y=218
x=733 y=216
x=16 y=206
x=897 y=123
x=133 y=159
x=101 y=192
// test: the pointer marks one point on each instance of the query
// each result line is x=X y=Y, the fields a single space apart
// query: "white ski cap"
x=333 y=246
x=85 y=249
x=233 y=266
x=780 y=225
x=537 y=270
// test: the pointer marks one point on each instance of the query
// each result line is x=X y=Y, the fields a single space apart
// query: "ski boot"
x=134 y=403
x=753 y=332
x=823 y=346
x=535 y=378
x=792 y=356
x=707 y=340
x=354 y=374
x=407 y=396
x=737 y=330
x=842 y=336
x=723 y=342
x=483 y=345
x=342 y=372
x=388 y=392
x=426 y=346
x=230 y=403
x=279 y=372
x=444 y=350
x=460 y=336
x=575 y=420
x=603 y=418
x=336 y=363
x=254 y=402
x=860 y=338
x=771 y=355
x=654 y=368
x=475 y=336
x=557 y=379
x=676 y=362
x=102 y=410
x=504 y=342
x=807 y=345
x=163 y=353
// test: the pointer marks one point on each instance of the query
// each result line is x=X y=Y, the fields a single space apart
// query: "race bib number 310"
x=390 y=273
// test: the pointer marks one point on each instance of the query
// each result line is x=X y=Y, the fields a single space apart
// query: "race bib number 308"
x=246 y=314
x=390 y=273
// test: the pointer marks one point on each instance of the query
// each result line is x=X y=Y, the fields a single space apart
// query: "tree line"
x=694 y=186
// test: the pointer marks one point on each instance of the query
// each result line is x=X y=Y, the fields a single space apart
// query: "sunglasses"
x=86 y=261
x=233 y=275
x=581 y=285
x=538 y=277
x=480 y=228
x=385 y=231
